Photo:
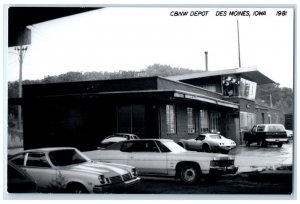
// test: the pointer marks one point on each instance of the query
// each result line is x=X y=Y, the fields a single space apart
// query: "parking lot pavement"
x=255 y=158
x=271 y=183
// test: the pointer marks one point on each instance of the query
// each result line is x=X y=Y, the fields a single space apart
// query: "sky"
x=133 y=38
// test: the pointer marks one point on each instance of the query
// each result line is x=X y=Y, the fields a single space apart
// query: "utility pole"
x=21 y=52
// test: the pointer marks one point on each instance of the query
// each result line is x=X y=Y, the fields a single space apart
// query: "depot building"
x=81 y=114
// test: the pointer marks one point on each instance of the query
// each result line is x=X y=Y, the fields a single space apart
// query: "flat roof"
x=146 y=94
x=250 y=73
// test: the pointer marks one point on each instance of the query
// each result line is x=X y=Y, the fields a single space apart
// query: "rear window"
x=215 y=136
x=270 y=128
x=260 y=128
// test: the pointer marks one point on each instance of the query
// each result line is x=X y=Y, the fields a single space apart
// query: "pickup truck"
x=264 y=134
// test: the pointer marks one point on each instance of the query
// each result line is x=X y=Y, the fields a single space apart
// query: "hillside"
x=282 y=97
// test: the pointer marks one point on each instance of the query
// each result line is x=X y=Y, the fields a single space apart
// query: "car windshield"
x=67 y=157
x=215 y=136
x=173 y=147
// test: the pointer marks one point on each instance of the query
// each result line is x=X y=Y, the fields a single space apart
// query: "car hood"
x=98 y=168
x=193 y=155
x=223 y=140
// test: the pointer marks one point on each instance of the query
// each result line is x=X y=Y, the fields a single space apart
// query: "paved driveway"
x=255 y=158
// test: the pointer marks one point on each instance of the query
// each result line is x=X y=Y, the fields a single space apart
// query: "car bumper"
x=116 y=186
x=228 y=147
x=223 y=170
x=277 y=140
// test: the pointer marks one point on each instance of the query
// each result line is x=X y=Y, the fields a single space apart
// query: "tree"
x=282 y=98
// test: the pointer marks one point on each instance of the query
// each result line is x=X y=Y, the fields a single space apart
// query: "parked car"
x=66 y=169
x=290 y=134
x=162 y=157
x=117 y=137
x=18 y=181
x=208 y=142
x=264 y=134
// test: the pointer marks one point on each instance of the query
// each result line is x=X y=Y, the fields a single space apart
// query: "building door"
x=263 y=118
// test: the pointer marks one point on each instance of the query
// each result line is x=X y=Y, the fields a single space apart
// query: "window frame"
x=15 y=157
x=205 y=124
x=191 y=122
x=171 y=118
x=46 y=159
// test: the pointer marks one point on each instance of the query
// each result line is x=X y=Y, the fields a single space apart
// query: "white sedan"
x=208 y=142
x=68 y=170
x=117 y=137
x=161 y=157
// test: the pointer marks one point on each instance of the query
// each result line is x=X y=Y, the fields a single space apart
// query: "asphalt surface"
x=270 y=183
x=255 y=158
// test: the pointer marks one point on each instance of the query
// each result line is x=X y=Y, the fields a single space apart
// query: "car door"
x=147 y=158
x=197 y=143
x=39 y=168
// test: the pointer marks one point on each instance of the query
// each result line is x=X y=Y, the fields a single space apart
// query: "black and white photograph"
x=152 y=100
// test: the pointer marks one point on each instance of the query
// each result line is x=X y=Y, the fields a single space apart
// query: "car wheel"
x=248 y=144
x=264 y=144
x=279 y=144
x=189 y=174
x=76 y=188
x=205 y=148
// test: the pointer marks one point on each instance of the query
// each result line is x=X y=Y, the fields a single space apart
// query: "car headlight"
x=221 y=143
x=101 y=179
x=134 y=172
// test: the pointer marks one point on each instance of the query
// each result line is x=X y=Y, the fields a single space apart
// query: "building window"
x=124 y=119
x=131 y=118
x=263 y=118
x=230 y=86
x=215 y=118
x=204 y=121
x=247 y=120
x=269 y=118
x=171 y=119
x=191 y=120
x=247 y=89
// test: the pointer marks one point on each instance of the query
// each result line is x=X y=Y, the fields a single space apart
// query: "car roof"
x=145 y=139
x=270 y=124
x=48 y=149
x=120 y=133
x=208 y=133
